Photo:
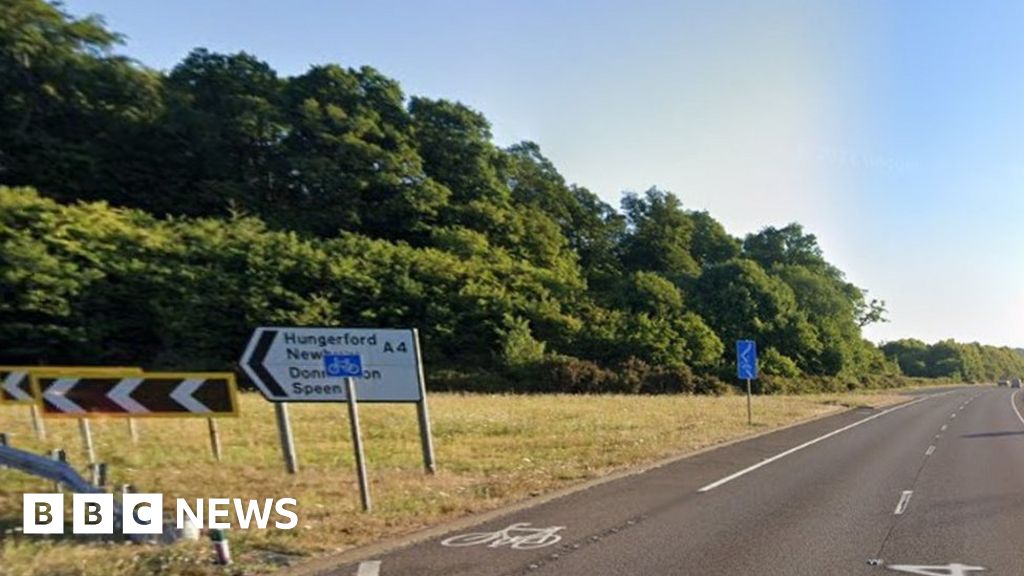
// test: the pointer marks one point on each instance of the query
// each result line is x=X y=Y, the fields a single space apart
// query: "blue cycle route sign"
x=746 y=359
x=343 y=365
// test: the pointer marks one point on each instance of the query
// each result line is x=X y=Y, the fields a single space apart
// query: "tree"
x=659 y=235
x=222 y=130
x=352 y=158
x=739 y=300
x=69 y=106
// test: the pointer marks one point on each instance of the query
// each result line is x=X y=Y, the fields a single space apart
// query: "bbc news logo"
x=144 y=513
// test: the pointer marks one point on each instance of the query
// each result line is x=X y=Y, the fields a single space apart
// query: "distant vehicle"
x=1015 y=383
x=1004 y=382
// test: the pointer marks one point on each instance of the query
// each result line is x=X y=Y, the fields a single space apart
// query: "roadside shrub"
x=774 y=363
x=669 y=380
x=632 y=372
x=566 y=374
x=711 y=385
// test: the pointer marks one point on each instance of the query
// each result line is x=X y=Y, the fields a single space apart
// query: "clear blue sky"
x=892 y=130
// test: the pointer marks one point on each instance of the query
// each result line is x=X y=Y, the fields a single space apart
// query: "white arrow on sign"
x=57 y=395
x=947 y=570
x=10 y=386
x=122 y=395
x=183 y=395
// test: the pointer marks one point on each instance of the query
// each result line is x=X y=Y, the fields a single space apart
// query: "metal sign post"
x=284 y=430
x=357 y=442
x=746 y=369
x=90 y=452
x=426 y=438
x=750 y=412
x=37 y=423
x=214 y=438
x=133 y=431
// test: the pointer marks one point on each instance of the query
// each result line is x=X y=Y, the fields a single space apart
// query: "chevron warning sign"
x=16 y=384
x=155 y=394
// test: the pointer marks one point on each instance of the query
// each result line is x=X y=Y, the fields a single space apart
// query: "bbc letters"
x=144 y=513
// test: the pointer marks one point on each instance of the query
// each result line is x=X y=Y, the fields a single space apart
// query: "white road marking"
x=944 y=426
x=953 y=415
x=930 y=451
x=901 y=506
x=370 y=568
x=1013 y=403
x=947 y=570
x=519 y=536
x=807 y=444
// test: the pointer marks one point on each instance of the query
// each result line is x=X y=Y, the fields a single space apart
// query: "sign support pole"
x=426 y=439
x=133 y=432
x=214 y=438
x=284 y=431
x=83 y=427
x=37 y=423
x=357 y=441
x=750 y=414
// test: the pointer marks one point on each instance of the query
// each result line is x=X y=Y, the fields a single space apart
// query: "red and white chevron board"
x=195 y=394
x=15 y=386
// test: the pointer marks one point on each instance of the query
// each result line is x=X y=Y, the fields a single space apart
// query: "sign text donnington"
x=299 y=364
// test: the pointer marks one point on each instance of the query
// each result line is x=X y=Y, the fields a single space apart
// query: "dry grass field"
x=491 y=451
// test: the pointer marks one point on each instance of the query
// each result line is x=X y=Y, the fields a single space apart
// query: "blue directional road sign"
x=343 y=365
x=746 y=359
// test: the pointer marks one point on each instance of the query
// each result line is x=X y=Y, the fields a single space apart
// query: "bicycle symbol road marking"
x=517 y=536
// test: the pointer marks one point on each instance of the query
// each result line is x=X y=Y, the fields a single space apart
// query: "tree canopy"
x=154 y=218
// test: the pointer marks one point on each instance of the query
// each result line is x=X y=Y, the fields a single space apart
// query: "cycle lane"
x=590 y=517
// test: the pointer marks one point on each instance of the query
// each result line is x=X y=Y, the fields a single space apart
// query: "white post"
x=357 y=441
x=426 y=439
x=284 y=431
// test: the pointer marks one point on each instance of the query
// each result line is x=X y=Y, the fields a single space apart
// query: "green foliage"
x=773 y=363
x=971 y=362
x=520 y=347
x=175 y=211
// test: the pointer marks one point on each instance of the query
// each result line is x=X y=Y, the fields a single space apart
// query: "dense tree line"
x=948 y=359
x=156 y=217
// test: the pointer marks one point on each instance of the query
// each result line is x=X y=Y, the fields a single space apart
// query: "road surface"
x=934 y=486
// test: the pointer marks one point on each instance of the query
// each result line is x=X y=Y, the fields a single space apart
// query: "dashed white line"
x=930 y=450
x=807 y=444
x=901 y=506
x=944 y=426
x=369 y=568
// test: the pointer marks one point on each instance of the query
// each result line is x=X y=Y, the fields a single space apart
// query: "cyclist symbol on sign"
x=343 y=366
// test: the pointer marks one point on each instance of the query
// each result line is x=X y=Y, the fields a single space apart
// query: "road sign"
x=295 y=364
x=344 y=366
x=746 y=359
x=137 y=395
x=16 y=385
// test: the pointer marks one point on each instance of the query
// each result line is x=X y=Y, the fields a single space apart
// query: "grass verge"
x=492 y=450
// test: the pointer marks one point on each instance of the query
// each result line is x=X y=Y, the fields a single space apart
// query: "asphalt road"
x=934 y=486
